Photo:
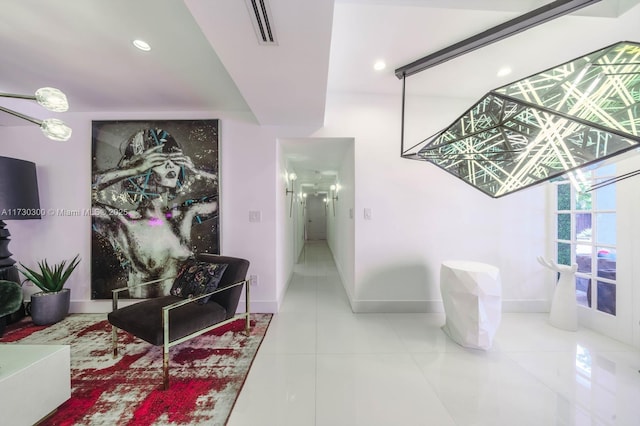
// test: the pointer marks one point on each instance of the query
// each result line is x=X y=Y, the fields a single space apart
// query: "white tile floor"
x=320 y=364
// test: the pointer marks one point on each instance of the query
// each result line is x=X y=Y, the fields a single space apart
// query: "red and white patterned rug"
x=206 y=373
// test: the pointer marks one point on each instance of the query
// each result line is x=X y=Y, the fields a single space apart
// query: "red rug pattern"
x=206 y=373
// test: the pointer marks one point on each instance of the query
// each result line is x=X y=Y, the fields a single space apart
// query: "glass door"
x=587 y=235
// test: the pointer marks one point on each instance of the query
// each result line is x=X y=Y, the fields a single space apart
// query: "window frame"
x=586 y=180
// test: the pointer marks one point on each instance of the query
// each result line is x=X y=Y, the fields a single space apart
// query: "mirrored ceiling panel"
x=543 y=126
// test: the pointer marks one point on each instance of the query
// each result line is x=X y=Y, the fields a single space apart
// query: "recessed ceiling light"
x=504 y=71
x=379 y=66
x=142 y=45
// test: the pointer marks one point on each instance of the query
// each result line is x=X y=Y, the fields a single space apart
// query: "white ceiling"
x=205 y=54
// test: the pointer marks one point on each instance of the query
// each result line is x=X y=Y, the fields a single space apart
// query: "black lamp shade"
x=18 y=190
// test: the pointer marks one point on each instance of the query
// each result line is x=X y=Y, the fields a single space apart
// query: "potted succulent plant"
x=51 y=304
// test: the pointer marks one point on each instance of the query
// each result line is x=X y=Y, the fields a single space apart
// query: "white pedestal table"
x=472 y=297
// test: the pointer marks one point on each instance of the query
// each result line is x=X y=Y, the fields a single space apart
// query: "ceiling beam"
x=537 y=16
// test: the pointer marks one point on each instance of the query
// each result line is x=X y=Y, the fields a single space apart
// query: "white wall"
x=290 y=237
x=284 y=234
x=341 y=224
x=64 y=181
x=248 y=167
x=248 y=170
x=421 y=215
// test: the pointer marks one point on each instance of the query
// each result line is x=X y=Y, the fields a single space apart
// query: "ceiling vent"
x=262 y=21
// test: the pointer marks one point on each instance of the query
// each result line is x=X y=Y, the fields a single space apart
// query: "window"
x=586 y=235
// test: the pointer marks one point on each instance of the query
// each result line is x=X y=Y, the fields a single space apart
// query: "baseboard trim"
x=96 y=306
x=397 y=306
x=525 y=306
x=260 y=306
x=104 y=306
x=436 y=306
x=342 y=280
x=358 y=306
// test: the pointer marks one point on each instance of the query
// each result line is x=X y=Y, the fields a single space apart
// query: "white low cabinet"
x=34 y=381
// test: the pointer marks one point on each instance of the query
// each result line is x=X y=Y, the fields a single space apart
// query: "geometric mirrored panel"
x=540 y=127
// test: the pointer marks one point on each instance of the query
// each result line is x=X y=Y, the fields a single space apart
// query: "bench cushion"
x=144 y=319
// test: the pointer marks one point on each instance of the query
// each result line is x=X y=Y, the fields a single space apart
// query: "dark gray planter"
x=50 y=308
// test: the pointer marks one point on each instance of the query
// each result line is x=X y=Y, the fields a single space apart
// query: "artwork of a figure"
x=154 y=201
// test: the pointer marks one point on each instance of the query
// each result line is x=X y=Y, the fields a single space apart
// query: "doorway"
x=316 y=217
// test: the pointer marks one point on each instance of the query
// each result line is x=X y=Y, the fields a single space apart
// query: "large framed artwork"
x=155 y=201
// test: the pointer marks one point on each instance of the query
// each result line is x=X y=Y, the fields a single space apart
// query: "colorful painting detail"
x=155 y=202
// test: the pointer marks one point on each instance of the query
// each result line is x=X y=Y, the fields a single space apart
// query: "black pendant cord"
x=402 y=116
x=610 y=181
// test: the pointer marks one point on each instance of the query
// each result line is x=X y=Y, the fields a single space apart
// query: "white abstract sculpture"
x=564 y=308
x=472 y=299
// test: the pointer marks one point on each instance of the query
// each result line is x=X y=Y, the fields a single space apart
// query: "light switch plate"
x=255 y=216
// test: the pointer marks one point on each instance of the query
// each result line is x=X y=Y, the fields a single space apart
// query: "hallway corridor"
x=321 y=364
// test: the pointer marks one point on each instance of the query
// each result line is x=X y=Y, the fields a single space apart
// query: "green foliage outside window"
x=564 y=226
x=583 y=200
x=564 y=197
x=564 y=254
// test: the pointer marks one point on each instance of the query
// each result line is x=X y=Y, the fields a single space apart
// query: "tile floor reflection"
x=320 y=364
